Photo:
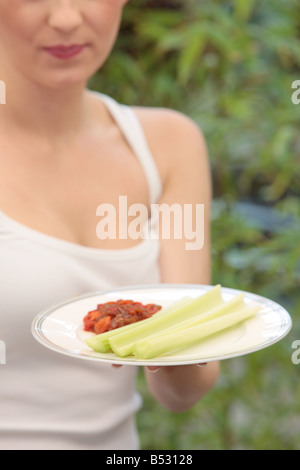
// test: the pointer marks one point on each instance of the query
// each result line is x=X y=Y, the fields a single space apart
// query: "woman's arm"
x=184 y=160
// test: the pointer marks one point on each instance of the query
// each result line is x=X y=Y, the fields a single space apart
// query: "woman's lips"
x=65 y=52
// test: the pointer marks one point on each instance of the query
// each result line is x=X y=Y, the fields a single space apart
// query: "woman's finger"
x=153 y=369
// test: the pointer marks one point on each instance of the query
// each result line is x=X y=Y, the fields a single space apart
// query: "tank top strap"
x=132 y=130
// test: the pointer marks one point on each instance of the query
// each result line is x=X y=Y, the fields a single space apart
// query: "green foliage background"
x=230 y=66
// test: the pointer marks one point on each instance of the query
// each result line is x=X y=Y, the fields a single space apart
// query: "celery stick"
x=236 y=304
x=168 y=343
x=100 y=343
x=123 y=344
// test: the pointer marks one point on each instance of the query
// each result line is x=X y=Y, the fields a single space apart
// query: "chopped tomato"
x=111 y=315
x=102 y=325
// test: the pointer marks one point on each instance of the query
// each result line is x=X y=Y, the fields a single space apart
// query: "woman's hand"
x=178 y=388
x=157 y=368
x=154 y=369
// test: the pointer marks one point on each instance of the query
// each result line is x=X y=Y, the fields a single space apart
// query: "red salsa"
x=111 y=315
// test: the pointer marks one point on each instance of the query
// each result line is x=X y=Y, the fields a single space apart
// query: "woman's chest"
x=72 y=196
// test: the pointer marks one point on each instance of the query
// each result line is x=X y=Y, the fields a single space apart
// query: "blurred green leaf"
x=243 y=10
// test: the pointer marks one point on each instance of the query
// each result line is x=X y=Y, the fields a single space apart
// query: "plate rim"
x=47 y=311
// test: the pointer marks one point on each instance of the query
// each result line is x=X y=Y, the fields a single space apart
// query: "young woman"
x=64 y=150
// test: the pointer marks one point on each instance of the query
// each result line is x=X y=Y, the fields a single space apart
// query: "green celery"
x=236 y=304
x=123 y=344
x=101 y=343
x=182 y=339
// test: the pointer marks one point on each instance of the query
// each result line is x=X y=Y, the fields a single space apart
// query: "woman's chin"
x=64 y=77
x=65 y=80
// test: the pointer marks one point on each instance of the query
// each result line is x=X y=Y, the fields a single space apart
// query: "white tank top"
x=54 y=402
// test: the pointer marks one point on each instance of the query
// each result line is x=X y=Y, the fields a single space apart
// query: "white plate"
x=60 y=327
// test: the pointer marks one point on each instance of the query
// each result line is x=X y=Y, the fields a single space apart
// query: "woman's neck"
x=35 y=109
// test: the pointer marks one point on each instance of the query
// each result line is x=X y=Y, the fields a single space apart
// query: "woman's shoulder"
x=169 y=124
x=174 y=139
